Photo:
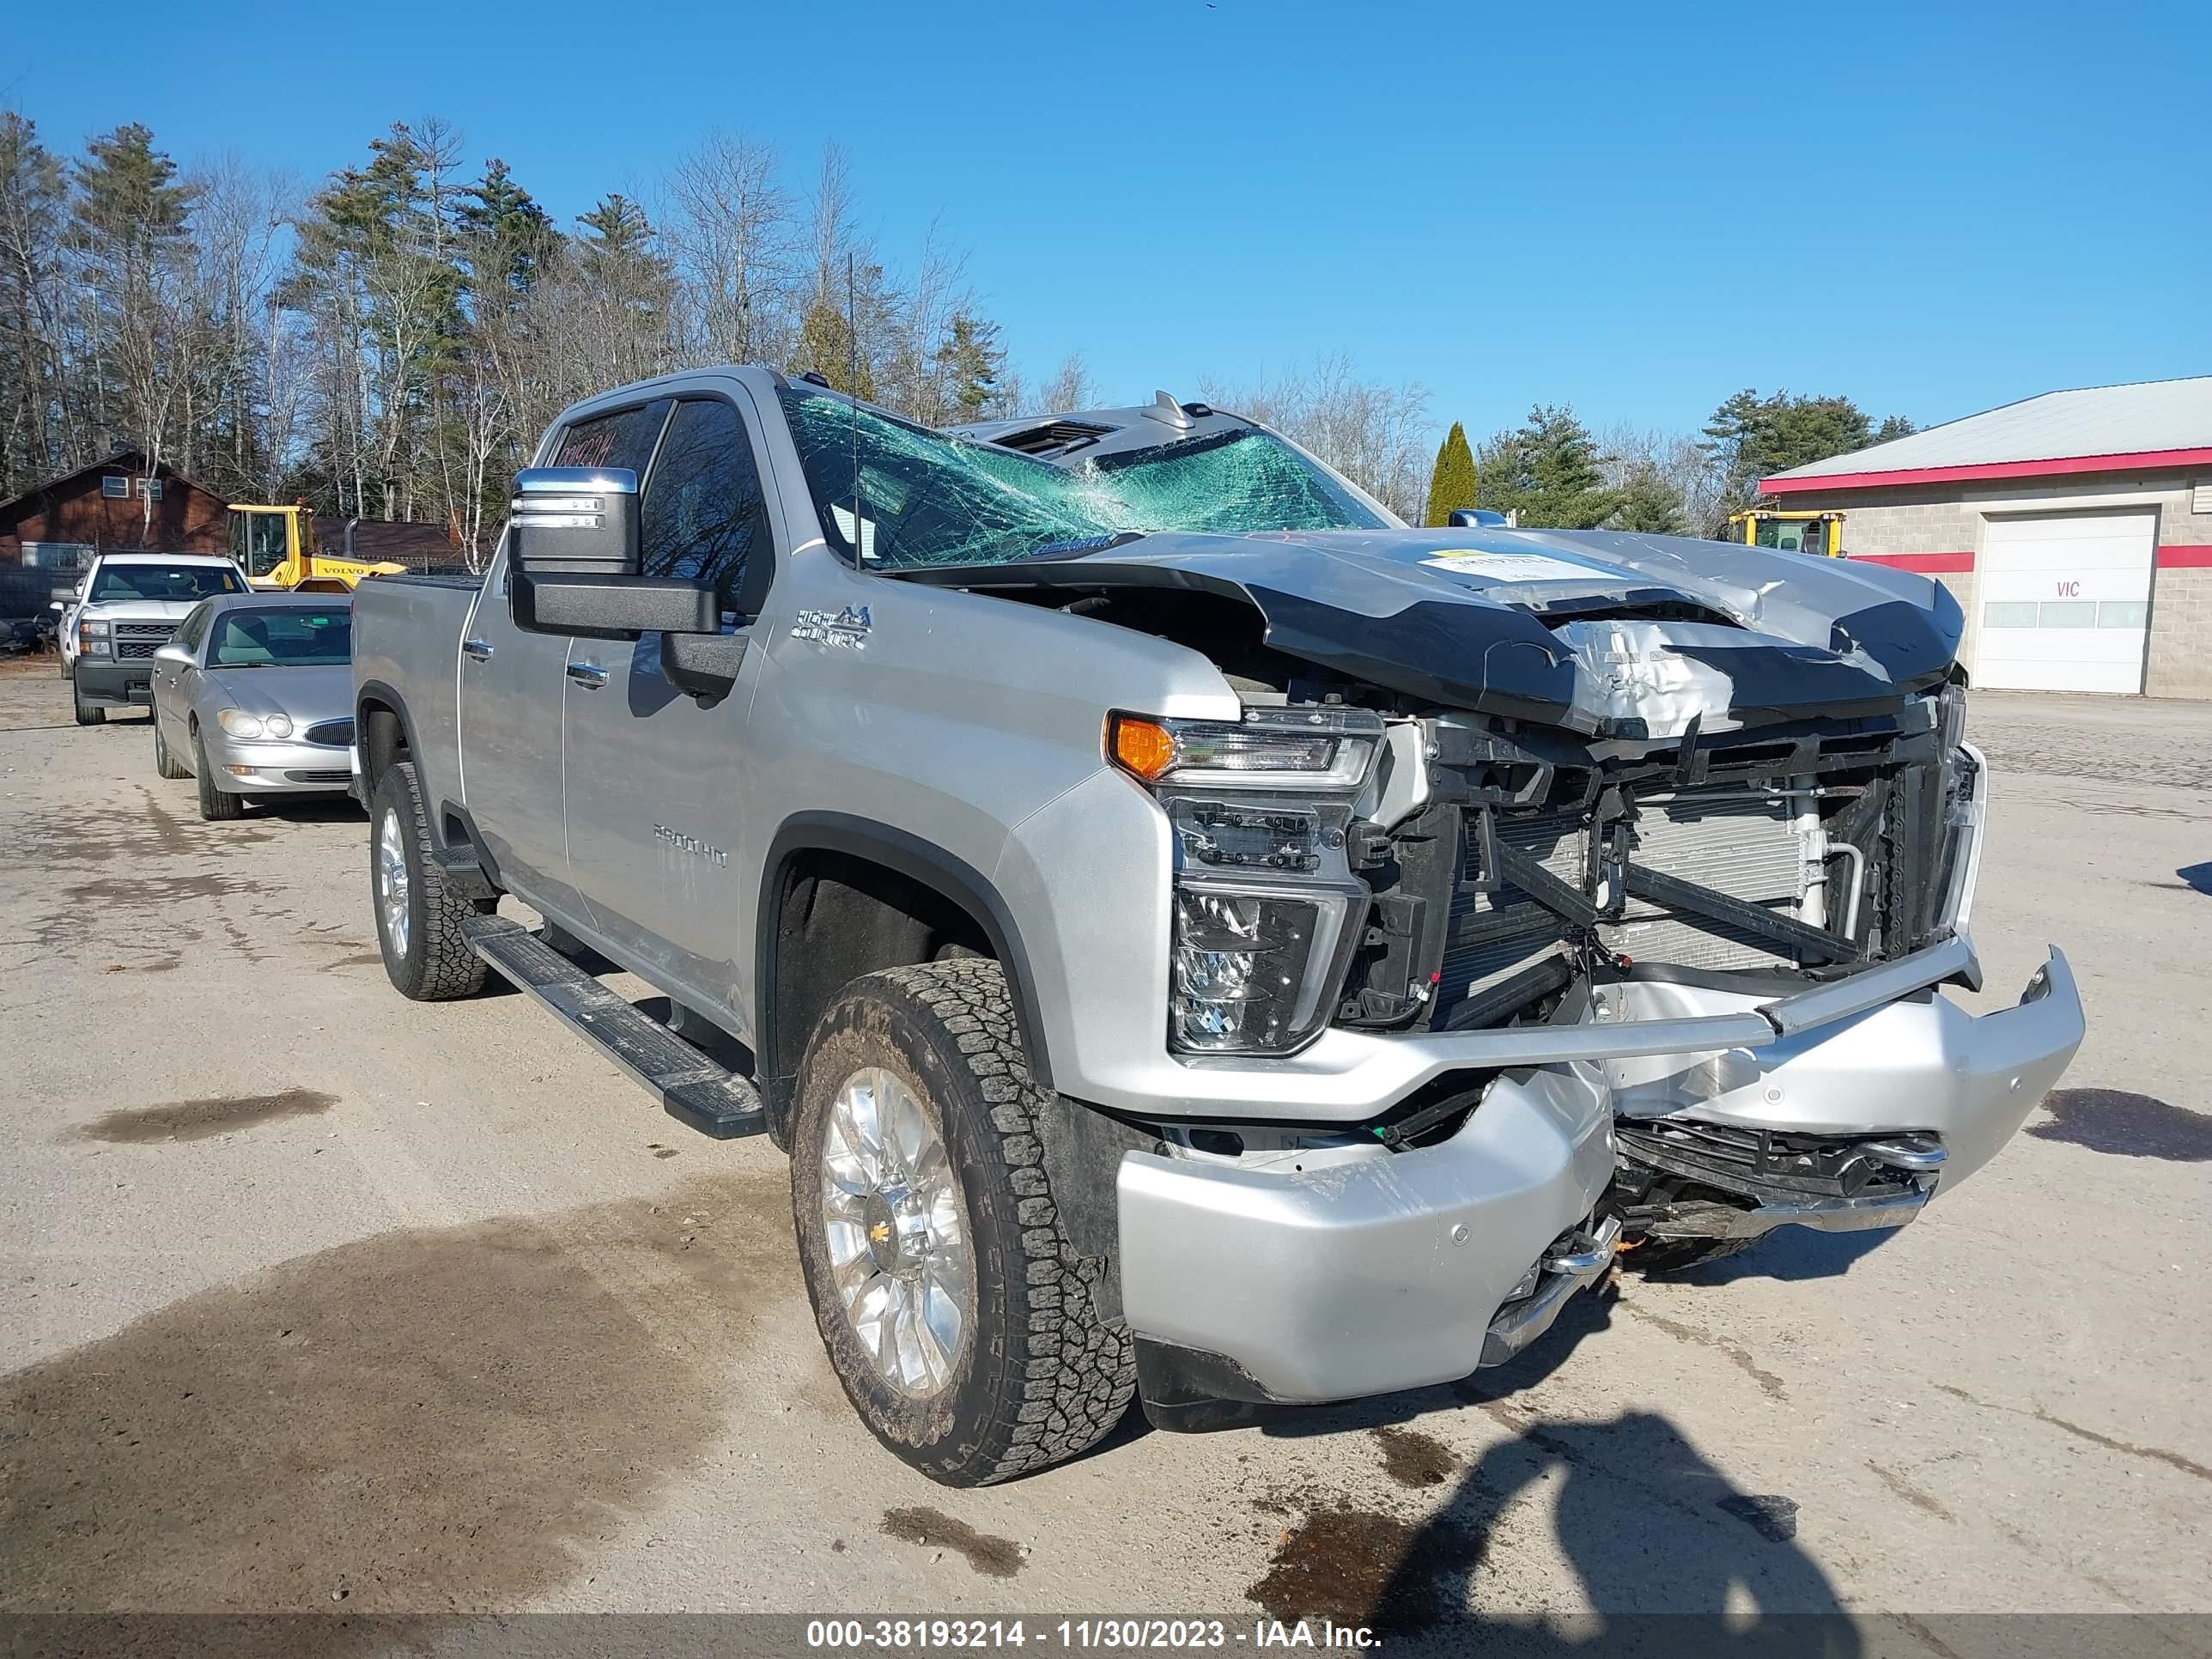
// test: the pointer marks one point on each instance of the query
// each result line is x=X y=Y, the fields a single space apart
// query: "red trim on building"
x=2138 y=461
x=1927 y=564
x=2185 y=558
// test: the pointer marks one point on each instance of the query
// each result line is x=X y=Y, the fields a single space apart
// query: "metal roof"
x=2149 y=417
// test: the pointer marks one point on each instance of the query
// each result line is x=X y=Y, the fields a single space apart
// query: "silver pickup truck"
x=1196 y=937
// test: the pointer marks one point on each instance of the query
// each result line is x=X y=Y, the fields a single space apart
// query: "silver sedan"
x=253 y=697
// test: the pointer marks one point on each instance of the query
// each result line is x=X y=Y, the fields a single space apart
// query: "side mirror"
x=56 y=607
x=575 y=521
x=574 y=550
x=1476 y=518
x=175 y=655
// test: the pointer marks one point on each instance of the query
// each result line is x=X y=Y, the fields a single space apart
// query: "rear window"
x=163 y=582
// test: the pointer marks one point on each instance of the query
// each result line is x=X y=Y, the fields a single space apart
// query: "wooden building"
x=115 y=505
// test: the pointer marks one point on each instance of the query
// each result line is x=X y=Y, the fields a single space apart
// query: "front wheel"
x=165 y=763
x=959 y=1319
x=87 y=715
x=218 y=804
x=420 y=919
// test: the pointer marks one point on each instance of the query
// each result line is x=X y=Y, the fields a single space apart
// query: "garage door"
x=2065 y=601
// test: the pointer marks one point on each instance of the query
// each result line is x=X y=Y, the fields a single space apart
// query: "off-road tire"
x=217 y=806
x=438 y=964
x=1043 y=1375
x=165 y=763
x=86 y=713
x=1674 y=1255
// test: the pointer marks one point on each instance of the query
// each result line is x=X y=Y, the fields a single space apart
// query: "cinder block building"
x=2075 y=529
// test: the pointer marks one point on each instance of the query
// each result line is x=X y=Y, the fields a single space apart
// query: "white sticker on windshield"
x=1512 y=566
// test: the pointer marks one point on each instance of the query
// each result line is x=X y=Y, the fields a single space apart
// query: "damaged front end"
x=1555 y=893
x=1714 y=895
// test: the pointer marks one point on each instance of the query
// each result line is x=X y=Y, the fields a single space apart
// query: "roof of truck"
x=139 y=556
x=1105 y=431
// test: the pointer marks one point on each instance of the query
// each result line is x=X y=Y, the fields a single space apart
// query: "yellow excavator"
x=1818 y=533
x=276 y=546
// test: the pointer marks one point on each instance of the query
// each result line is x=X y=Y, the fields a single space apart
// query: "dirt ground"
x=314 y=1297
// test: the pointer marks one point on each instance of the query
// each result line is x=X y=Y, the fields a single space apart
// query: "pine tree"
x=968 y=363
x=510 y=236
x=1750 y=437
x=1452 y=481
x=1649 y=505
x=1548 y=472
x=130 y=229
x=826 y=346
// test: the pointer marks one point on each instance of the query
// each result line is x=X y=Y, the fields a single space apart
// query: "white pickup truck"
x=1198 y=938
x=125 y=608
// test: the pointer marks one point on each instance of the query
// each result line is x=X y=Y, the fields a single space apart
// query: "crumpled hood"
x=307 y=694
x=1600 y=631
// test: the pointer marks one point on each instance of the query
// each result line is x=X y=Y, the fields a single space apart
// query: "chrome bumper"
x=1396 y=1271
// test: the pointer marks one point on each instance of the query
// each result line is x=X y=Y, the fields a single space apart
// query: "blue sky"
x=1635 y=210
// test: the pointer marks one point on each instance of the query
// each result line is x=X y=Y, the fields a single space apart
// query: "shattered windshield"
x=927 y=499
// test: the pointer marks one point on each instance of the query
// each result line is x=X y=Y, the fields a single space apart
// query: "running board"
x=691 y=1088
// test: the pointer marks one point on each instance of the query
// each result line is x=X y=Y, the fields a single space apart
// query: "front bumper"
x=262 y=767
x=1395 y=1270
x=105 y=684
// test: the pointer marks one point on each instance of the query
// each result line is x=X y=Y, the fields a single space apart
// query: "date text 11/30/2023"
x=1103 y=1635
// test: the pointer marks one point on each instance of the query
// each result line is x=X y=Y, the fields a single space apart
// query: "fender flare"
x=944 y=873
x=384 y=693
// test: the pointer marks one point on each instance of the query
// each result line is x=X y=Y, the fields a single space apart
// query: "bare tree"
x=1677 y=462
x=1070 y=387
x=733 y=240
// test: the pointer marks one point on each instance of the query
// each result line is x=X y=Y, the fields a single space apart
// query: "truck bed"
x=406 y=640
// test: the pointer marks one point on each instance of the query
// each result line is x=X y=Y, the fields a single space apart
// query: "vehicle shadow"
x=1670 y=1555
x=1792 y=1254
x=310 y=809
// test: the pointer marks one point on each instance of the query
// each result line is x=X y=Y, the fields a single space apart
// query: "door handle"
x=477 y=649
x=589 y=675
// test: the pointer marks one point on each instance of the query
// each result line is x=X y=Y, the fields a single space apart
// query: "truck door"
x=654 y=775
x=512 y=684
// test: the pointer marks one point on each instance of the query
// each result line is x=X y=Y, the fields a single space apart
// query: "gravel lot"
x=312 y=1296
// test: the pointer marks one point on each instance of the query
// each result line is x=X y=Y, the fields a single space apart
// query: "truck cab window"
x=624 y=438
x=704 y=516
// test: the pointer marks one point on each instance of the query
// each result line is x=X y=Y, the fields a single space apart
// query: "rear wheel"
x=217 y=805
x=420 y=919
x=87 y=715
x=165 y=763
x=959 y=1319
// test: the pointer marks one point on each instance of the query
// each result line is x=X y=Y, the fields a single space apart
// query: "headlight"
x=92 y=629
x=1267 y=911
x=1253 y=971
x=92 y=639
x=241 y=724
x=1316 y=748
x=1950 y=721
x=276 y=726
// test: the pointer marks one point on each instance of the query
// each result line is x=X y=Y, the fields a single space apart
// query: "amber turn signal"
x=1142 y=746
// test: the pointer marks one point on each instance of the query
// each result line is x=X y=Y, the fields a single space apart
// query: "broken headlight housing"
x=1266 y=908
